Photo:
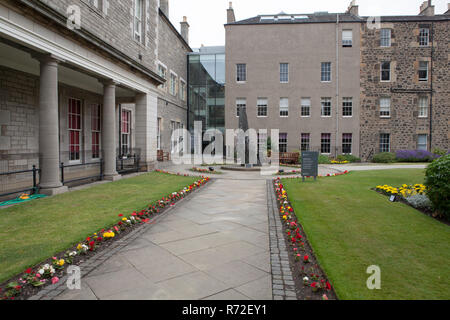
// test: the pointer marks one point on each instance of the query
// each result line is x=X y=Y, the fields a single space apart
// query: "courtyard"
x=219 y=243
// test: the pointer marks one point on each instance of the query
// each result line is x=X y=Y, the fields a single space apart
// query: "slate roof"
x=325 y=17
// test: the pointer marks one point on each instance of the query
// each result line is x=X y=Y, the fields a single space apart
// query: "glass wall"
x=206 y=83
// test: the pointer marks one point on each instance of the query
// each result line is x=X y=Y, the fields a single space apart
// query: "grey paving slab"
x=193 y=286
x=230 y=294
x=213 y=245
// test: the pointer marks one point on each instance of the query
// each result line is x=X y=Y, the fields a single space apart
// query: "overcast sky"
x=207 y=17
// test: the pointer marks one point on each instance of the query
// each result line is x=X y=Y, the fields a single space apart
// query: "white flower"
x=46 y=266
x=305 y=279
x=41 y=272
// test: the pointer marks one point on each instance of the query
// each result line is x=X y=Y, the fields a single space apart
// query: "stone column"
x=50 y=181
x=109 y=132
x=146 y=129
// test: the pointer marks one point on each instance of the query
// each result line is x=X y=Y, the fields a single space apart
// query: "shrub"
x=324 y=159
x=440 y=152
x=348 y=157
x=420 y=201
x=437 y=182
x=384 y=157
x=415 y=156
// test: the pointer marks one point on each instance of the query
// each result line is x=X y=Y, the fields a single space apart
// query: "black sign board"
x=310 y=164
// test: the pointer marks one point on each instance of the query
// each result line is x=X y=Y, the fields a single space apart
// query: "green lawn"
x=351 y=227
x=33 y=232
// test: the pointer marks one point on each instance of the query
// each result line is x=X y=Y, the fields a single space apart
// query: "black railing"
x=34 y=189
x=98 y=176
x=128 y=164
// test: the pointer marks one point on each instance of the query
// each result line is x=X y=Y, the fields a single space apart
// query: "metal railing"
x=34 y=189
x=128 y=164
x=98 y=176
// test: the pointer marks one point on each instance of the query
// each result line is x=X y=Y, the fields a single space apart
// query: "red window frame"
x=96 y=128
x=74 y=128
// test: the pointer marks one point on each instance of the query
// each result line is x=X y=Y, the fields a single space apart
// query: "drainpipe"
x=337 y=87
x=431 y=86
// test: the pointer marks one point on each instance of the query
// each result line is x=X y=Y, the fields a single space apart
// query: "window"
x=347 y=140
x=326 y=72
x=386 y=71
x=326 y=143
x=423 y=107
x=326 y=107
x=241 y=72
x=74 y=115
x=162 y=71
x=125 y=133
x=158 y=132
x=96 y=130
x=423 y=70
x=422 y=142
x=284 y=107
x=240 y=103
x=173 y=140
x=385 y=107
x=262 y=107
x=284 y=72
x=138 y=11
x=283 y=142
x=347 y=38
x=173 y=84
x=385 y=36
x=305 y=107
x=305 y=141
x=183 y=90
x=424 y=37
x=347 y=107
x=385 y=142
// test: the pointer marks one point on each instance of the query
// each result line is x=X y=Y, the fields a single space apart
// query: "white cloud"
x=207 y=17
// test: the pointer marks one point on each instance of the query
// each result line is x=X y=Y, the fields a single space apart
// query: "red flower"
x=116 y=228
x=88 y=239
x=120 y=215
x=28 y=271
x=328 y=286
x=314 y=285
x=306 y=258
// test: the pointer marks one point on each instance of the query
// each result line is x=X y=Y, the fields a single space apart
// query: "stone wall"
x=404 y=125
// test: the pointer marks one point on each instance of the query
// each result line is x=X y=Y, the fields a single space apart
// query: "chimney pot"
x=230 y=14
x=427 y=9
x=184 y=28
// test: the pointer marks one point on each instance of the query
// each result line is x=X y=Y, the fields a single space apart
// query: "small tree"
x=437 y=182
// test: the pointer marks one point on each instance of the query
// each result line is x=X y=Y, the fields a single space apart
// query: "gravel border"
x=283 y=285
x=52 y=291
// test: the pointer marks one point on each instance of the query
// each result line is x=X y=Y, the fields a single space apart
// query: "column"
x=50 y=182
x=109 y=132
x=146 y=129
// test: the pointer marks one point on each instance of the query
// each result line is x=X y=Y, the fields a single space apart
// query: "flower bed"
x=50 y=271
x=339 y=162
x=320 y=175
x=205 y=171
x=288 y=173
x=310 y=280
x=414 y=196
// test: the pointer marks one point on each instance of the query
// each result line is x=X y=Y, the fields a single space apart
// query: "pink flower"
x=324 y=297
x=55 y=280
x=38 y=275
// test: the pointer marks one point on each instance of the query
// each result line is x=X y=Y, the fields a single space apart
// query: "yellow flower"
x=124 y=219
x=79 y=247
x=61 y=262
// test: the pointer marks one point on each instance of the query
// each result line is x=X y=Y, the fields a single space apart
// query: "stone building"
x=298 y=73
x=84 y=80
x=405 y=81
x=342 y=83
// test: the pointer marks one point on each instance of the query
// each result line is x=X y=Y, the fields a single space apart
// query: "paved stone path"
x=214 y=245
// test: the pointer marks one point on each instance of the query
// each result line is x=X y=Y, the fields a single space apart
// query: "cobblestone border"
x=52 y=291
x=283 y=285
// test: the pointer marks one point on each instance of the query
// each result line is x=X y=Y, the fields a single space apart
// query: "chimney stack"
x=185 y=29
x=426 y=9
x=230 y=14
x=353 y=8
x=448 y=9
x=164 y=6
